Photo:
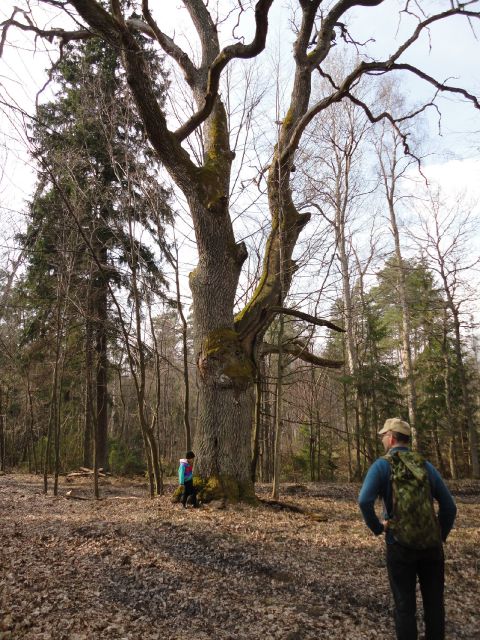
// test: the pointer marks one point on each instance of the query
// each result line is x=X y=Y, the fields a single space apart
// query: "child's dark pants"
x=189 y=490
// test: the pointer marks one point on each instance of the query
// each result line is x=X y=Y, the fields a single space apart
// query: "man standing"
x=406 y=562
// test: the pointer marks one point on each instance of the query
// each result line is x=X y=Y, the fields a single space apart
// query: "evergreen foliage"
x=96 y=184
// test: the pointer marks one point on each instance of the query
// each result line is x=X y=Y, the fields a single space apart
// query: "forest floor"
x=127 y=567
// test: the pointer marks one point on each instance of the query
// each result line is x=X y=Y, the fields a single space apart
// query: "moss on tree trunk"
x=220 y=487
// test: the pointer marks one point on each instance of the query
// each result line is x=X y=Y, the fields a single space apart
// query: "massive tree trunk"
x=226 y=370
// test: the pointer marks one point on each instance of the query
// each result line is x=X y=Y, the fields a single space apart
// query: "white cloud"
x=457 y=177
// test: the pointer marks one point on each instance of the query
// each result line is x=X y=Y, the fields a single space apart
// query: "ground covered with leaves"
x=128 y=567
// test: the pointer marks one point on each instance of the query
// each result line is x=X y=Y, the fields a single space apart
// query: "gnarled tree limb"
x=168 y=45
x=302 y=354
x=320 y=322
x=230 y=52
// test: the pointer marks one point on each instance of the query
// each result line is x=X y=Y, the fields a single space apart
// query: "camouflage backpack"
x=414 y=523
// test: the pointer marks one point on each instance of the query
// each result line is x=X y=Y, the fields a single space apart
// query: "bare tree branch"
x=48 y=34
x=230 y=52
x=371 y=68
x=441 y=86
x=302 y=354
x=320 y=322
x=168 y=45
x=326 y=33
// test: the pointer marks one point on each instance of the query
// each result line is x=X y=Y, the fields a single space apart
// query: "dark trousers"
x=189 y=490
x=404 y=565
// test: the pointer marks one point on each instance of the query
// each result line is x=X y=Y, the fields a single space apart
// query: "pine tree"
x=94 y=184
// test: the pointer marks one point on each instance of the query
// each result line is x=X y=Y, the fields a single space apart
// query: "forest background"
x=98 y=364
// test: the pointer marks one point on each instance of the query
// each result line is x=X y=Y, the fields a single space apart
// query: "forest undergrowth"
x=127 y=567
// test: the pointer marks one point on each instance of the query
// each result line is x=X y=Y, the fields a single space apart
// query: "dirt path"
x=127 y=567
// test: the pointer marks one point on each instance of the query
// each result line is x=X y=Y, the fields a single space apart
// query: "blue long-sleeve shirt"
x=377 y=484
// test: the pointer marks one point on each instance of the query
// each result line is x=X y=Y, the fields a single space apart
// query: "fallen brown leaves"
x=128 y=567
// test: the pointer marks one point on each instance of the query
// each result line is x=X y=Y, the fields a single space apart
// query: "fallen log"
x=84 y=473
x=70 y=496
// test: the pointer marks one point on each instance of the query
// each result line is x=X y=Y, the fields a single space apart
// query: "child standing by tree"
x=185 y=478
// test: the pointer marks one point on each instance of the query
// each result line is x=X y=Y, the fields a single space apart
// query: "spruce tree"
x=95 y=176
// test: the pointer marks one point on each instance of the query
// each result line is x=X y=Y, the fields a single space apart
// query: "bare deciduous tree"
x=445 y=235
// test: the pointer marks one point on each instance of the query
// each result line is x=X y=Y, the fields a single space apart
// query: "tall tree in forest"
x=95 y=178
x=336 y=187
x=445 y=236
x=393 y=165
x=227 y=344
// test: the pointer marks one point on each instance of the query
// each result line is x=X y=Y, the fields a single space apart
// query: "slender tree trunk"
x=186 y=381
x=122 y=430
x=148 y=455
x=51 y=423
x=264 y=450
x=100 y=296
x=313 y=428
x=31 y=422
x=158 y=391
x=52 y=417
x=320 y=440
x=257 y=425
x=270 y=438
x=96 y=462
x=2 y=431
x=438 y=451
x=452 y=457
x=138 y=371
x=451 y=416
x=278 y=412
x=406 y=324
x=348 y=317
x=468 y=418
x=88 y=417
x=57 y=426
x=347 y=432
x=318 y=461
